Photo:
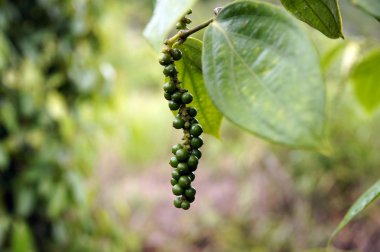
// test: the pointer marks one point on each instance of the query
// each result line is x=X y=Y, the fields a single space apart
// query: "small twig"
x=183 y=34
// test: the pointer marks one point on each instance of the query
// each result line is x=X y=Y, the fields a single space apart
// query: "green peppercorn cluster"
x=184 y=21
x=187 y=154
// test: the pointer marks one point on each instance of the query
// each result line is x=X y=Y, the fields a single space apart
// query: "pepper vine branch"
x=182 y=35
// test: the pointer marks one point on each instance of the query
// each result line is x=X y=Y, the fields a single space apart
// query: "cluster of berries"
x=187 y=154
x=184 y=21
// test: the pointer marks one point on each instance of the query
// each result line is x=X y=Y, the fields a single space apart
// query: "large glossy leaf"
x=263 y=74
x=165 y=15
x=323 y=15
x=363 y=202
x=190 y=74
x=372 y=7
x=365 y=77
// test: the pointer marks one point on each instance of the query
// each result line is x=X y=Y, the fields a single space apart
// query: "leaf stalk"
x=182 y=35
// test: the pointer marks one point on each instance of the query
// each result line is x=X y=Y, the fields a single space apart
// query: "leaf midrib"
x=321 y=19
x=280 y=104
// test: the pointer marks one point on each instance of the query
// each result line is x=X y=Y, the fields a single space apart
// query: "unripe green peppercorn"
x=184 y=182
x=191 y=176
x=194 y=121
x=196 y=130
x=176 y=147
x=178 y=122
x=192 y=162
x=175 y=174
x=176 y=54
x=190 y=199
x=187 y=98
x=196 y=142
x=165 y=59
x=173 y=181
x=192 y=111
x=167 y=96
x=182 y=169
x=177 y=96
x=182 y=155
x=185 y=205
x=170 y=70
x=177 y=202
x=173 y=105
x=169 y=87
x=190 y=192
x=174 y=162
x=177 y=190
x=196 y=153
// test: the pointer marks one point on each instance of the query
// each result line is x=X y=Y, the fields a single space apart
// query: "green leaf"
x=5 y=223
x=165 y=15
x=263 y=74
x=190 y=74
x=76 y=187
x=332 y=54
x=4 y=158
x=22 y=239
x=323 y=15
x=57 y=201
x=372 y=7
x=24 y=200
x=362 y=203
x=365 y=77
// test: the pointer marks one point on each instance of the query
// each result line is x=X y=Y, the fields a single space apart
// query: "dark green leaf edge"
x=338 y=22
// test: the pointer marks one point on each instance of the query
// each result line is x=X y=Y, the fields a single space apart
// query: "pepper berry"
x=196 y=130
x=196 y=153
x=184 y=182
x=170 y=70
x=165 y=59
x=176 y=147
x=177 y=202
x=178 y=123
x=176 y=54
x=177 y=190
x=169 y=87
x=182 y=155
x=185 y=205
x=174 y=162
x=173 y=105
x=187 y=98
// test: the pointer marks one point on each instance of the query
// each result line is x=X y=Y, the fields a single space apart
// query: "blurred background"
x=85 y=140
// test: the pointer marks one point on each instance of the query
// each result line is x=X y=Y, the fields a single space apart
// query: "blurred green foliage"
x=48 y=69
